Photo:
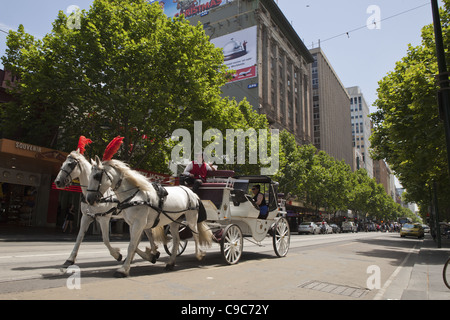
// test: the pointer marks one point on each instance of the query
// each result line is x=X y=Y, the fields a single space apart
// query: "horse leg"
x=174 y=227
x=85 y=223
x=136 y=229
x=154 y=253
x=104 y=226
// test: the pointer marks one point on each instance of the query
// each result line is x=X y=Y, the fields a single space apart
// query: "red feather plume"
x=112 y=148
x=82 y=143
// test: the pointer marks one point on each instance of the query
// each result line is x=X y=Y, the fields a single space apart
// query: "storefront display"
x=17 y=204
x=26 y=172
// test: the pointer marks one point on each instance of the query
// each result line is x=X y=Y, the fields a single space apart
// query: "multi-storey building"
x=361 y=127
x=383 y=175
x=332 y=126
x=270 y=59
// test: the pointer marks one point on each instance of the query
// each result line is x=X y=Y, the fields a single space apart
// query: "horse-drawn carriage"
x=222 y=211
x=233 y=216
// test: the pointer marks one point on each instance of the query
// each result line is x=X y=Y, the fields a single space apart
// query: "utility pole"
x=444 y=97
x=444 y=92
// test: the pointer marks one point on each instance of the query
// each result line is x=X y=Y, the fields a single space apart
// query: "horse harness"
x=128 y=203
x=162 y=194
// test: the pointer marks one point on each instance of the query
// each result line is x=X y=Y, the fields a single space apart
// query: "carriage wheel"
x=168 y=247
x=231 y=244
x=281 y=237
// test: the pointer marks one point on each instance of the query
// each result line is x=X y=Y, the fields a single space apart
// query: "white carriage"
x=233 y=217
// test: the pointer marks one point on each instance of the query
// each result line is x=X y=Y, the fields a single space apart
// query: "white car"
x=308 y=228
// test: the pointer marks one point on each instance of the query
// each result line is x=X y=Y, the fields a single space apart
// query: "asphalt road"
x=360 y=266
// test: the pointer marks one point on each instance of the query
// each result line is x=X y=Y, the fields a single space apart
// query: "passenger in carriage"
x=196 y=174
x=260 y=201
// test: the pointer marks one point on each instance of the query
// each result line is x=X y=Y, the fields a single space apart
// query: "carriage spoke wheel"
x=168 y=247
x=281 y=237
x=231 y=244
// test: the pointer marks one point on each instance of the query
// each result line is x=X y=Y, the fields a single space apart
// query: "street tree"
x=408 y=132
x=126 y=69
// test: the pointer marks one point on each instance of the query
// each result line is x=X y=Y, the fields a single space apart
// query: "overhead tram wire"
x=365 y=26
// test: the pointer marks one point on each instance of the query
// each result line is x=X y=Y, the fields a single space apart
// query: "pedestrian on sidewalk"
x=70 y=217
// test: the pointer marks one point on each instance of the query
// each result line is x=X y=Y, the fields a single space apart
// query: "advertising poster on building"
x=190 y=8
x=240 y=52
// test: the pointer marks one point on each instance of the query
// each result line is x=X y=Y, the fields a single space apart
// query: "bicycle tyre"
x=446 y=273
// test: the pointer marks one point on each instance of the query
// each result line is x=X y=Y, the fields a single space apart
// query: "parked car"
x=308 y=228
x=426 y=229
x=349 y=226
x=413 y=230
x=336 y=228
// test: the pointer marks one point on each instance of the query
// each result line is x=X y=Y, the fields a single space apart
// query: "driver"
x=260 y=201
x=196 y=172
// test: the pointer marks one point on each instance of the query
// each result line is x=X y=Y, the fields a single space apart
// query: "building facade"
x=331 y=114
x=361 y=127
x=26 y=193
x=383 y=175
x=270 y=60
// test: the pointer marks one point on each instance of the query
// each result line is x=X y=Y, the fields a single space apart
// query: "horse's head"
x=100 y=180
x=70 y=170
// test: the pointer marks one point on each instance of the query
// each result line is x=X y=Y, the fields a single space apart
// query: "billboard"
x=240 y=52
x=190 y=8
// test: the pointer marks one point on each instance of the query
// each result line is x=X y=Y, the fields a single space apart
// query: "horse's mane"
x=78 y=156
x=134 y=177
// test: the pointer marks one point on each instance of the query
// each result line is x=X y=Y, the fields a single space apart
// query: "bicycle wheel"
x=446 y=273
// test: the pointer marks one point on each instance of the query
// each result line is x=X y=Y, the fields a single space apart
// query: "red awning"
x=71 y=188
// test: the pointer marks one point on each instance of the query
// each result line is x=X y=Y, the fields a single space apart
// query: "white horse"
x=141 y=211
x=76 y=166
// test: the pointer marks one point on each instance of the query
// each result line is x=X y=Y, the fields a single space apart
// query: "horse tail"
x=205 y=234
x=201 y=212
x=159 y=235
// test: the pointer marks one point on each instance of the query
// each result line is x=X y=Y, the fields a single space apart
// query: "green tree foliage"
x=126 y=70
x=408 y=132
x=320 y=182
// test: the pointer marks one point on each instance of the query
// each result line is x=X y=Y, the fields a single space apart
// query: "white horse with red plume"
x=76 y=166
x=146 y=208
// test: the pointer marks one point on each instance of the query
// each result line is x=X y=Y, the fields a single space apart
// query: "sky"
x=365 y=56
x=361 y=59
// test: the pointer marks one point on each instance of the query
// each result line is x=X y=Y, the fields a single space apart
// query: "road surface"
x=354 y=266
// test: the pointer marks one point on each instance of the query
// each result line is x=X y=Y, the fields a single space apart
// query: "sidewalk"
x=426 y=282
x=419 y=277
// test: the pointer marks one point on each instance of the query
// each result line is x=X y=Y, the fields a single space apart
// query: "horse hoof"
x=155 y=257
x=120 y=275
x=68 y=263
x=119 y=258
x=169 y=267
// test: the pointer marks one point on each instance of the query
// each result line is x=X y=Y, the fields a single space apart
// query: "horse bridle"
x=99 y=177
x=72 y=165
